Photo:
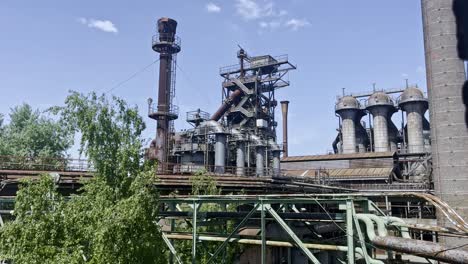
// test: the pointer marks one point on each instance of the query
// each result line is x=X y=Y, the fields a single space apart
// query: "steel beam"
x=350 y=231
x=242 y=223
x=291 y=233
x=171 y=247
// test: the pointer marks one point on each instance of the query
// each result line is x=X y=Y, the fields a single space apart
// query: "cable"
x=131 y=77
x=448 y=249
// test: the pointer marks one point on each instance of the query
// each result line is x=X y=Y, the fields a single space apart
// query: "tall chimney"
x=167 y=44
x=449 y=135
x=284 y=110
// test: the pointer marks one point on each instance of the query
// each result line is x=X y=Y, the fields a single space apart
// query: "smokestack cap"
x=167 y=25
x=412 y=95
x=379 y=99
x=347 y=102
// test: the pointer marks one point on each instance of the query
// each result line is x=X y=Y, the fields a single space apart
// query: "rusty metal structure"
x=167 y=44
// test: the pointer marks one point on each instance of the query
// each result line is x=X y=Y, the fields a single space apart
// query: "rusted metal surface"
x=422 y=248
x=284 y=111
x=232 y=99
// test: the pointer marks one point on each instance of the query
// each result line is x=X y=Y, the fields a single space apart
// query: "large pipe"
x=276 y=158
x=240 y=139
x=213 y=127
x=410 y=246
x=422 y=248
x=449 y=134
x=259 y=161
x=220 y=153
x=284 y=111
x=232 y=99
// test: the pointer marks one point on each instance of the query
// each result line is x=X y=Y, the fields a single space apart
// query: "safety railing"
x=168 y=41
x=44 y=164
x=254 y=64
x=212 y=170
x=162 y=110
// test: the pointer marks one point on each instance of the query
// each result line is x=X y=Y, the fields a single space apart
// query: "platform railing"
x=44 y=164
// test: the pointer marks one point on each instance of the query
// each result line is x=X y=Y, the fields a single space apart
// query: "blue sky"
x=50 y=47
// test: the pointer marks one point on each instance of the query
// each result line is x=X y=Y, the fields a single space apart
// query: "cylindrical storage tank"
x=412 y=101
x=240 y=158
x=380 y=105
x=348 y=108
x=260 y=161
x=220 y=153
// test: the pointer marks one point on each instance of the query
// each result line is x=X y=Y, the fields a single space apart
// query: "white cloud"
x=274 y=24
x=212 y=8
x=251 y=9
x=103 y=25
x=296 y=24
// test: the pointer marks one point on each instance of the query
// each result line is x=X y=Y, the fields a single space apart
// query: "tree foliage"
x=113 y=219
x=31 y=133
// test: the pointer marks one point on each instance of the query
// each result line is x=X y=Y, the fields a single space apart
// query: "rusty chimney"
x=167 y=44
x=284 y=110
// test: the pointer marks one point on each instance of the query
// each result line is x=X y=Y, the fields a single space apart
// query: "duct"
x=422 y=248
x=284 y=111
x=276 y=153
x=240 y=158
x=210 y=127
x=404 y=230
x=273 y=243
x=220 y=153
x=335 y=144
x=259 y=154
x=240 y=139
x=259 y=161
x=213 y=127
x=232 y=99
x=407 y=245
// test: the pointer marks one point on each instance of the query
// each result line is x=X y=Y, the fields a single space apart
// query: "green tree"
x=32 y=134
x=204 y=184
x=113 y=219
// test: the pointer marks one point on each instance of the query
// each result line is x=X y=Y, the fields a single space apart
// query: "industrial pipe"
x=213 y=127
x=273 y=243
x=259 y=155
x=410 y=246
x=276 y=159
x=422 y=248
x=232 y=99
x=284 y=111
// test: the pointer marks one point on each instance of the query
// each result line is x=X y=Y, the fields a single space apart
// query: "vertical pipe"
x=284 y=111
x=276 y=162
x=449 y=134
x=260 y=159
x=240 y=158
x=350 y=231
x=220 y=153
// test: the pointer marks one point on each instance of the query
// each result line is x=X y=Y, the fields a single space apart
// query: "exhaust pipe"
x=284 y=110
